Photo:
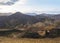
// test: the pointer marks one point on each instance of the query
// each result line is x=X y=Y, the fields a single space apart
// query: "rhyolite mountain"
x=21 y=18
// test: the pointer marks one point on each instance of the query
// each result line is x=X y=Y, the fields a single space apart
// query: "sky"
x=26 y=6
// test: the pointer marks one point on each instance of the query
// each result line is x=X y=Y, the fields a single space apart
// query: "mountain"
x=47 y=15
x=50 y=16
x=56 y=17
x=31 y=14
x=23 y=18
x=5 y=14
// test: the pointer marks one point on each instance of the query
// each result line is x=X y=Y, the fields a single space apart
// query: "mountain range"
x=20 y=18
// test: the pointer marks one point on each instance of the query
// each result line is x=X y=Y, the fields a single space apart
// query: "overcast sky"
x=25 y=6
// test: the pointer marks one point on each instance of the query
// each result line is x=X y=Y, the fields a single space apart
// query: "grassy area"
x=26 y=40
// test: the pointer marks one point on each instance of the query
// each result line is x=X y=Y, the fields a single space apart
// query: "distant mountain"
x=42 y=14
x=47 y=15
x=31 y=14
x=5 y=14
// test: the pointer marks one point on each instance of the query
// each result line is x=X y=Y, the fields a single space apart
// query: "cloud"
x=18 y=6
x=21 y=2
x=7 y=2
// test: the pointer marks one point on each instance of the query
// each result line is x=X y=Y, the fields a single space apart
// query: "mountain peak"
x=18 y=13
